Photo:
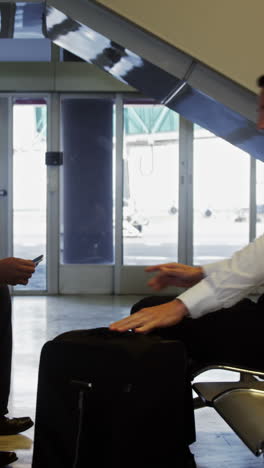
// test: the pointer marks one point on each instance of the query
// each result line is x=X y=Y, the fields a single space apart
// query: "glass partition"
x=151 y=168
x=260 y=197
x=29 y=185
x=221 y=198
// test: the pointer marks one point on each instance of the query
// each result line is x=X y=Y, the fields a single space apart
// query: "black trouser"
x=228 y=336
x=233 y=335
x=5 y=347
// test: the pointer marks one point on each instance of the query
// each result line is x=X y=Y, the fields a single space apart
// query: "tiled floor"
x=38 y=319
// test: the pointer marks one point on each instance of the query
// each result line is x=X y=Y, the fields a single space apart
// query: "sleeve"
x=227 y=281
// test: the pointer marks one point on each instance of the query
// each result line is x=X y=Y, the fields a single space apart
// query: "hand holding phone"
x=38 y=259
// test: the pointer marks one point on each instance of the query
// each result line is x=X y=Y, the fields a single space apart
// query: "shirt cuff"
x=200 y=299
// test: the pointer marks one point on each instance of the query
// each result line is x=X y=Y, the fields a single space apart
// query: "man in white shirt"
x=215 y=294
x=213 y=317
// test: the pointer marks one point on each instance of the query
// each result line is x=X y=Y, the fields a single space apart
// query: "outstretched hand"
x=174 y=274
x=150 y=318
x=16 y=270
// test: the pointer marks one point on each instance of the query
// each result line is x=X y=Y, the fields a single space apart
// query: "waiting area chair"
x=240 y=403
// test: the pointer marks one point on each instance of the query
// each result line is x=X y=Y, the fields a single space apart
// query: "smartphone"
x=38 y=259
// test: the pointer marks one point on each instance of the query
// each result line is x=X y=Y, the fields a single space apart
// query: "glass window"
x=25 y=50
x=21 y=33
x=221 y=198
x=150 y=205
x=29 y=186
x=260 y=198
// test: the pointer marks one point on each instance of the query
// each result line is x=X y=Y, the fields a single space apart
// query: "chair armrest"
x=197 y=370
x=243 y=410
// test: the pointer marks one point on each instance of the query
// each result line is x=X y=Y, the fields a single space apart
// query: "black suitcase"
x=107 y=399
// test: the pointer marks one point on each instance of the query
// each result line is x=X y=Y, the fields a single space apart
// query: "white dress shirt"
x=228 y=281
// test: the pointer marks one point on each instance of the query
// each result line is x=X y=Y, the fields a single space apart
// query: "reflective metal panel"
x=153 y=81
x=220 y=120
x=122 y=63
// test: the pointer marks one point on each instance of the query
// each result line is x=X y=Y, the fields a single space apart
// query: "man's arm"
x=15 y=270
x=150 y=318
x=228 y=281
x=174 y=274
x=224 y=284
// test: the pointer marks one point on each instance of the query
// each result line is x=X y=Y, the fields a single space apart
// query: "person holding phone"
x=12 y=271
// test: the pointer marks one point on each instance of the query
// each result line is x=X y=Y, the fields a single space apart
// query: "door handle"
x=3 y=193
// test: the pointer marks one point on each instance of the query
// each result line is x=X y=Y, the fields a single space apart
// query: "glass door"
x=86 y=208
x=5 y=192
x=260 y=198
x=221 y=212
x=29 y=183
x=150 y=191
x=150 y=204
